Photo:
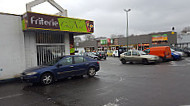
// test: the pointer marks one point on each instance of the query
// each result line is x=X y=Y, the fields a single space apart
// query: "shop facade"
x=139 y=42
x=33 y=39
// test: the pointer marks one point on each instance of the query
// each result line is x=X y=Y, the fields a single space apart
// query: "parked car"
x=92 y=55
x=138 y=56
x=179 y=52
x=115 y=53
x=176 y=55
x=186 y=51
x=101 y=55
x=163 y=52
x=62 y=67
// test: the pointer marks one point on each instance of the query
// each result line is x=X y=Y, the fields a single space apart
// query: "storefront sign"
x=159 y=39
x=103 y=42
x=56 y=23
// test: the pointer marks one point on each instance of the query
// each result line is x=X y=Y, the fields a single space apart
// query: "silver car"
x=138 y=56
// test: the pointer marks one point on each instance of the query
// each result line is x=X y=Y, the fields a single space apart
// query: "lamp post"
x=127 y=25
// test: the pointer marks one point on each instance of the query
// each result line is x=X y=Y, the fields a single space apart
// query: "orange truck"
x=163 y=52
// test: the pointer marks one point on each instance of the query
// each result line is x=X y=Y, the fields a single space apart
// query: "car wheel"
x=144 y=61
x=91 y=72
x=172 y=58
x=46 y=78
x=123 y=61
x=104 y=58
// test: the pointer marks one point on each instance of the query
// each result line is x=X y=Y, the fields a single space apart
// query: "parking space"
x=116 y=84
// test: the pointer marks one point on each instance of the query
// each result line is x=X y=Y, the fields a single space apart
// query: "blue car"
x=62 y=67
x=175 y=56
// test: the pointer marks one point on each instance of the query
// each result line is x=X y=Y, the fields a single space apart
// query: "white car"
x=138 y=56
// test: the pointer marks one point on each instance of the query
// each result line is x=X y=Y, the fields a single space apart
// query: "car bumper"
x=30 y=78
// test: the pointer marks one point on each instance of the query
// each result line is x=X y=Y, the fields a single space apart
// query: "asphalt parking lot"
x=116 y=84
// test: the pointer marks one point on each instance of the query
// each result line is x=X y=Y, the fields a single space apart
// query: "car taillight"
x=100 y=55
x=98 y=62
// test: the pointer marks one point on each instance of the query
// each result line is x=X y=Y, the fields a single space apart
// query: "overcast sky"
x=146 y=16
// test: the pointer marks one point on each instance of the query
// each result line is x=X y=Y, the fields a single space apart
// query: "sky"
x=146 y=16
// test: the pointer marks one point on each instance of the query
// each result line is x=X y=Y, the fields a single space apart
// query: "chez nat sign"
x=32 y=20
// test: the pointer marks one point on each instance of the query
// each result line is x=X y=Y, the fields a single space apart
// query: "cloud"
x=146 y=16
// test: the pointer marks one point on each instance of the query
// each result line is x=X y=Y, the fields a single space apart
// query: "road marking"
x=117 y=101
x=10 y=96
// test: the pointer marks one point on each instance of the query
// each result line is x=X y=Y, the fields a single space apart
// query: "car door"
x=128 y=56
x=79 y=66
x=136 y=56
x=65 y=67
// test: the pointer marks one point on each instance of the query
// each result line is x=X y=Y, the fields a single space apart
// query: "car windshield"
x=142 y=53
x=52 y=62
x=172 y=50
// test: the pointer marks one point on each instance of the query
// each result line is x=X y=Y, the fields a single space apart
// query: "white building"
x=184 y=39
x=29 y=40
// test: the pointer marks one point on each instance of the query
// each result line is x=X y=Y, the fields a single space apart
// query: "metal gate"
x=49 y=45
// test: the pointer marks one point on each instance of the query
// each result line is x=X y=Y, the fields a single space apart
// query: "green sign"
x=73 y=25
x=103 y=42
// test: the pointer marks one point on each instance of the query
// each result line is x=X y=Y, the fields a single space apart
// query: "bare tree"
x=77 y=39
x=117 y=36
x=89 y=37
x=113 y=36
x=120 y=36
x=186 y=29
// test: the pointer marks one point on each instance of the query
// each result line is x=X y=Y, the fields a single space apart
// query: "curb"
x=11 y=80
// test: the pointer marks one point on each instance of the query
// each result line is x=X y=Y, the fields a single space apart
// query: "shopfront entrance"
x=49 y=45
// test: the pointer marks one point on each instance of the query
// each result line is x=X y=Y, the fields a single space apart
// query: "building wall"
x=12 y=54
x=67 y=44
x=172 y=38
x=183 y=38
x=91 y=43
x=30 y=49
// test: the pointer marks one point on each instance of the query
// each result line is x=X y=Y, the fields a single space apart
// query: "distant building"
x=139 y=41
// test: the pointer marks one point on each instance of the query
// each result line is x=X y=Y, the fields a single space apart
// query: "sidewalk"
x=10 y=80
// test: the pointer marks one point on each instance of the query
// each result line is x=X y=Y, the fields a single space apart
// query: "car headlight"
x=31 y=73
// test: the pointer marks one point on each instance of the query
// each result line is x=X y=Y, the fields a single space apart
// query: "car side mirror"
x=58 y=65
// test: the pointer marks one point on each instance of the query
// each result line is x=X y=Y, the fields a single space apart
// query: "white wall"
x=30 y=49
x=67 y=44
x=12 y=54
x=183 y=38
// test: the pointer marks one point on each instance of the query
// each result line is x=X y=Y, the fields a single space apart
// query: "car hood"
x=181 y=53
x=35 y=69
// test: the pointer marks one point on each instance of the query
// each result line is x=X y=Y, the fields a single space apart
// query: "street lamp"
x=127 y=25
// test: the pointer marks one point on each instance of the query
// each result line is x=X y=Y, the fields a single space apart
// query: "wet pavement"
x=163 y=84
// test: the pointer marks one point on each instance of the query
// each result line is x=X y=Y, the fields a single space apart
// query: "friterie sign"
x=32 y=20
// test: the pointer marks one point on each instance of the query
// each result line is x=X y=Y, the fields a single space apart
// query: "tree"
x=77 y=39
x=120 y=36
x=89 y=37
x=186 y=29
x=117 y=36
